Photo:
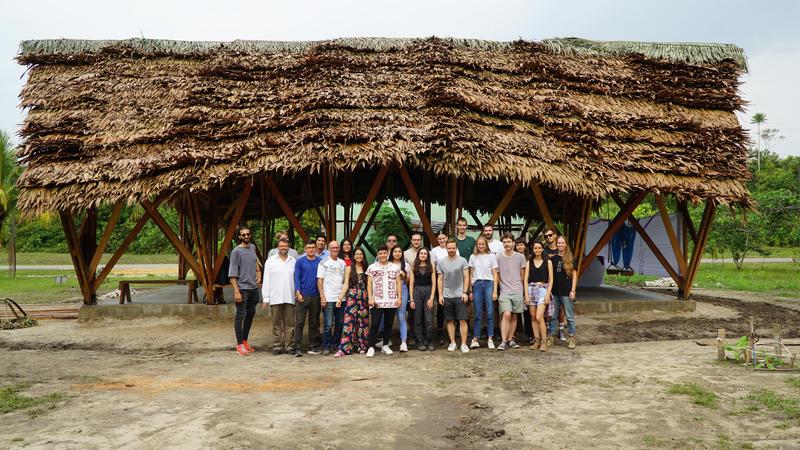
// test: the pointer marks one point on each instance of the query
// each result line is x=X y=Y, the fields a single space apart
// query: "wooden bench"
x=125 y=288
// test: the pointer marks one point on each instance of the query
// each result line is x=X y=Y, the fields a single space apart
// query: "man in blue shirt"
x=307 y=300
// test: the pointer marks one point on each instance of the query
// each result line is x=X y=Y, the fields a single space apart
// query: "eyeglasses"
x=244 y=234
x=548 y=235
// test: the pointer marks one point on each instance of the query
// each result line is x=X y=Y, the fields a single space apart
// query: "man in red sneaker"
x=244 y=275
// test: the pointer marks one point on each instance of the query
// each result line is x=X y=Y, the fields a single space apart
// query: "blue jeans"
x=401 y=314
x=333 y=319
x=482 y=301
x=558 y=301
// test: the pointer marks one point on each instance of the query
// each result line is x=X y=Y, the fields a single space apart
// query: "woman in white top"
x=397 y=257
x=483 y=273
x=384 y=286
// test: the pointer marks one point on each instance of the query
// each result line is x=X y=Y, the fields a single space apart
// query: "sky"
x=768 y=34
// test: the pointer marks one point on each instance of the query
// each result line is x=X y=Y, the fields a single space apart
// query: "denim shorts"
x=537 y=293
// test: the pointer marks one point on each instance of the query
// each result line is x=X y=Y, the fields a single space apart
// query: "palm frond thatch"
x=114 y=120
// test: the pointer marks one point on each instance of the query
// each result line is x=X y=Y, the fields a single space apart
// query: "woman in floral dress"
x=356 y=311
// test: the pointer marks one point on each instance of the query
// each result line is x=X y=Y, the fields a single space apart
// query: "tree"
x=739 y=233
x=9 y=172
x=387 y=222
x=757 y=120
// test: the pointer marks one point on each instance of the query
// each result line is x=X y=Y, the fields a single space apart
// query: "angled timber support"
x=293 y=221
x=373 y=192
x=501 y=207
x=699 y=247
x=625 y=212
x=415 y=200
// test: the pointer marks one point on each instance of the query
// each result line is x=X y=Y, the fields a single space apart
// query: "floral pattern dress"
x=356 y=318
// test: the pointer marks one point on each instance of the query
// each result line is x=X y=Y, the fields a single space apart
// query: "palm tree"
x=758 y=119
x=9 y=172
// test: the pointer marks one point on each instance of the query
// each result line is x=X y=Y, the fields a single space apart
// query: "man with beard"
x=244 y=277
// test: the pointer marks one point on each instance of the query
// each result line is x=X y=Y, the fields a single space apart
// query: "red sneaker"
x=240 y=349
x=247 y=346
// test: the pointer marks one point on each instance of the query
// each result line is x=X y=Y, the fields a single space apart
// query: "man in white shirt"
x=495 y=246
x=330 y=281
x=277 y=290
x=283 y=234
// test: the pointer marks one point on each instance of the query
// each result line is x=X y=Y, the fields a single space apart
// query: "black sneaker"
x=314 y=351
x=297 y=353
x=431 y=348
x=513 y=344
x=422 y=348
x=276 y=351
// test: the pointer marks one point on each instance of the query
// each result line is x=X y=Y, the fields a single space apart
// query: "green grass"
x=773 y=401
x=780 y=279
x=11 y=399
x=35 y=259
x=794 y=382
x=700 y=395
x=38 y=286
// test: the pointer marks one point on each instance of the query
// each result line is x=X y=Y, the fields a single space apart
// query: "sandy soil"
x=166 y=383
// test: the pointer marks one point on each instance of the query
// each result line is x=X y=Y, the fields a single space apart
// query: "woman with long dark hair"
x=346 y=251
x=539 y=276
x=356 y=310
x=565 y=282
x=397 y=257
x=421 y=279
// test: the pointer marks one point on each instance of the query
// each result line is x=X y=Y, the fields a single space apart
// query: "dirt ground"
x=168 y=383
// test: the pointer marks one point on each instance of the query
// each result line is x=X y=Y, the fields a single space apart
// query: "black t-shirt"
x=538 y=274
x=422 y=278
x=562 y=283
x=549 y=253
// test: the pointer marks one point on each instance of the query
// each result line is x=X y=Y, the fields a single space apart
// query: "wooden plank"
x=501 y=207
x=101 y=246
x=697 y=254
x=137 y=228
x=415 y=200
x=542 y=205
x=171 y=237
x=402 y=218
x=673 y=238
x=241 y=202
x=373 y=192
x=276 y=194
x=624 y=213
x=652 y=245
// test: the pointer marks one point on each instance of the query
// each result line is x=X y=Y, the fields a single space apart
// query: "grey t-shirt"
x=509 y=268
x=453 y=271
x=243 y=267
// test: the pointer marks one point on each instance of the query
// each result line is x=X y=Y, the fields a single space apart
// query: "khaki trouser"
x=282 y=326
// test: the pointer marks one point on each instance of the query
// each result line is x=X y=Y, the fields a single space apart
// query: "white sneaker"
x=451 y=347
x=464 y=348
x=474 y=344
x=490 y=343
x=561 y=336
x=403 y=347
x=371 y=352
x=386 y=350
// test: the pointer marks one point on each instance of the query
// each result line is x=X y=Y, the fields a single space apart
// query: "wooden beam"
x=170 y=235
x=402 y=218
x=276 y=194
x=415 y=200
x=363 y=237
x=620 y=219
x=538 y=230
x=684 y=209
x=78 y=263
x=373 y=192
x=199 y=237
x=526 y=226
x=583 y=228
x=241 y=202
x=137 y=228
x=652 y=245
x=542 y=205
x=101 y=246
x=673 y=238
x=699 y=246
x=501 y=207
x=474 y=217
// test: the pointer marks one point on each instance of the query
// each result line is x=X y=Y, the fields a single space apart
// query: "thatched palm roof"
x=112 y=120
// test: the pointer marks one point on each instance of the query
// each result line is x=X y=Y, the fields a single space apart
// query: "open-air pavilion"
x=227 y=132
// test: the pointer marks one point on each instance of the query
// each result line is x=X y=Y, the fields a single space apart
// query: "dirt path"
x=165 y=383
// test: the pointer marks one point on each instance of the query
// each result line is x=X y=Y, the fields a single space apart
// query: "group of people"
x=445 y=285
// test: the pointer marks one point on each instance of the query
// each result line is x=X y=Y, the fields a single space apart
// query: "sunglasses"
x=549 y=235
x=244 y=234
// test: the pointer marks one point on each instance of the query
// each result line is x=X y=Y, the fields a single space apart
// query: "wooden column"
x=699 y=247
x=373 y=192
x=501 y=207
x=424 y=214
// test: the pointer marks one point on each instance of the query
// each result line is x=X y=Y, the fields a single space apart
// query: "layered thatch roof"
x=112 y=120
